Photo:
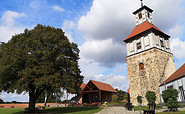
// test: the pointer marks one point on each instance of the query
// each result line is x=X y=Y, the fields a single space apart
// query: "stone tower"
x=149 y=58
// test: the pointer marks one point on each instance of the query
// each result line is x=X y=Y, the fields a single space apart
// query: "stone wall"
x=158 y=66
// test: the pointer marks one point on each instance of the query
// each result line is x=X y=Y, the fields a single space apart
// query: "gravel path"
x=116 y=110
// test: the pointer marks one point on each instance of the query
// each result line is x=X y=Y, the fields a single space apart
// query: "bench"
x=151 y=109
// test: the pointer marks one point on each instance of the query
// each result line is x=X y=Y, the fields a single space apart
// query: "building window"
x=148 y=15
x=182 y=93
x=162 y=43
x=141 y=66
x=140 y=15
x=170 y=87
x=138 y=45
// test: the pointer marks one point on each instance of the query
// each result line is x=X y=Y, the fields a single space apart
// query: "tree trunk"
x=32 y=101
x=45 y=99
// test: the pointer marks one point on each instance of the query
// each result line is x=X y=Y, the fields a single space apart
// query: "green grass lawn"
x=180 y=112
x=56 y=110
x=10 y=110
x=136 y=108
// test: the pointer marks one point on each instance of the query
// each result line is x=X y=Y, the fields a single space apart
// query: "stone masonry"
x=158 y=66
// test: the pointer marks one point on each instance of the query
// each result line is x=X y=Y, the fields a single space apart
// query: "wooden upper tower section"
x=146 y=35
x=143 y=14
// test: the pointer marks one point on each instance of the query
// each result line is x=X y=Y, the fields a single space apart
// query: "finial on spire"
x=141 y=3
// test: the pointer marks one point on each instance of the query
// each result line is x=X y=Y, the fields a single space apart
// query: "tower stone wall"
x=158 y=66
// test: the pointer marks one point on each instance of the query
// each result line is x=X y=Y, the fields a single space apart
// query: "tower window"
x=148 y=15
x=141 y=66
x=162 y=43
x=140 y=15
x=138 y=45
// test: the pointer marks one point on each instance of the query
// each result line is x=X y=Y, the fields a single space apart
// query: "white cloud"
x=110 y=18
x=16 y=95
x=116 y=81
x=178 y=48
x=176 y=31
x=68 y=27
x=105 y=52
x=2 y=96
x=109 y=22
x=57 y=8
x=8 y=28
x=34 y=4
x=9 y=17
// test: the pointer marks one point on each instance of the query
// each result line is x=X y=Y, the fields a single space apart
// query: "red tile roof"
x=103 y=86
x=142 y=28
x=179 y=73
x=82 y=86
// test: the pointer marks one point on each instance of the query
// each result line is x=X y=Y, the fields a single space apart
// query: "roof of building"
x=176 y=75
x=103 y=86
x=144 y=7
x=82 y=86
x=143 y=28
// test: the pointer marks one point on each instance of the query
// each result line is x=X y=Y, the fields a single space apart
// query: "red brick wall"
x=24 y=105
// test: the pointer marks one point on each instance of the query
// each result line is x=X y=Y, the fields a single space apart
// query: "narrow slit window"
x=138 y=45
x=148 y=15
x=140 y=15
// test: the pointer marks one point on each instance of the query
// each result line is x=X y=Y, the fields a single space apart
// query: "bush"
x=151 y=97
x=170 y=99
x=139 y=99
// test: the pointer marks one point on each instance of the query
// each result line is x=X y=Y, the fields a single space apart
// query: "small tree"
x=170 y=99
x=139 y=99
x=121 y=95
x=151 y=97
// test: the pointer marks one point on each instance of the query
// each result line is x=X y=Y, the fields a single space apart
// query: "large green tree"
x=37 y=60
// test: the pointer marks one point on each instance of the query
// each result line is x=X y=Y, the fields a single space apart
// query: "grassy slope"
x=59 y=110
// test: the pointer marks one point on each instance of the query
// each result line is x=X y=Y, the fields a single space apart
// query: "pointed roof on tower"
x=143 y=7
x=144 y=27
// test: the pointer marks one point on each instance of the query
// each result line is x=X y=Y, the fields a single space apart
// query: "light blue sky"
x=98 y=27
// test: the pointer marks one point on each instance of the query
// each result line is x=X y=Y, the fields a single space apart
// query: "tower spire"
x=141 y=3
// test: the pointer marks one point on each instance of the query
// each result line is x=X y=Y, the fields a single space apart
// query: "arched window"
x=141 y=66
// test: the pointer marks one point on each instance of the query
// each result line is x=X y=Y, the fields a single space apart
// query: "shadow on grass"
x=62 y=110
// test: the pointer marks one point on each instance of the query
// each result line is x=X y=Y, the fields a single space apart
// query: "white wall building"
x=175 y=81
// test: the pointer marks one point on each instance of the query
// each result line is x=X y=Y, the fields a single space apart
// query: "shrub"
x=151 y=97
x=170 y=99
x=139 y=99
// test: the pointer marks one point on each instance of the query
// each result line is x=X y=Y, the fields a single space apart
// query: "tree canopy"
x=151 y=97
x=39 y=59
x=121 y=95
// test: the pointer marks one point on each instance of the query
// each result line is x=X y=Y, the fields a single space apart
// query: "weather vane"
x=141 y=3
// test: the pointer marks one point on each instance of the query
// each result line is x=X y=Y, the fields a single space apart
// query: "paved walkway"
x=116 y=110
